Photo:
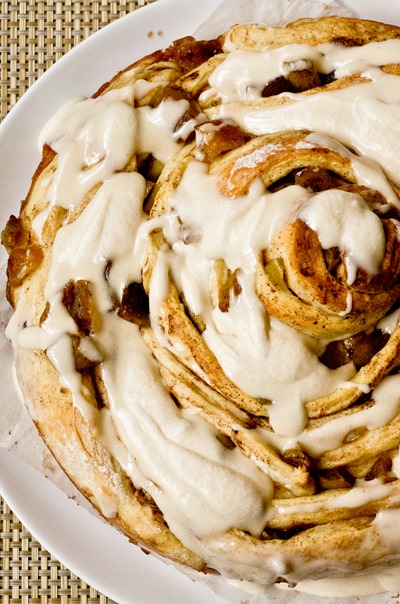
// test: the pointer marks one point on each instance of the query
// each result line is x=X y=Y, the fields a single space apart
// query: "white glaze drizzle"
x=344 y=220
x=363 y=116
x=182 y=456
x=96 y=137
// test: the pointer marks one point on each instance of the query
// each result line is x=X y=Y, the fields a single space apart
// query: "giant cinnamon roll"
x=205 y=277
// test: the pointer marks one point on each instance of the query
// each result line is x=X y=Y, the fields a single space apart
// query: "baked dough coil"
x=302 y=77
x=294 y=279
x=315 y=526
x=68 y=430
x=294 y=275
x=194 y=376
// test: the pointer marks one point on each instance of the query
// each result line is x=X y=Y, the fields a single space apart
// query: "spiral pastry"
x=205 y=282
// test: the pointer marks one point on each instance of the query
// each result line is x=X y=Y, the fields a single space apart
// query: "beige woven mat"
x=30 y=575
x=34 y=34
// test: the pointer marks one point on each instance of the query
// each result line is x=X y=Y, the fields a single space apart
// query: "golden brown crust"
x=88 y=463
x=68 y=435
x=342 y=31
x=343 y=539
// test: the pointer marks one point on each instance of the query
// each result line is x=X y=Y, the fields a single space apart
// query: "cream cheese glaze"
x=145 y=417
x=202 y=487
x=333 y=214
x=257 y=68
x=95 y=138
x=362 y=116
x=374 y=103
x=264 y=357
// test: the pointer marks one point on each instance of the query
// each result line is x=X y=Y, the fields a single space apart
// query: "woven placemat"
x=29 y=574
x=33 y=35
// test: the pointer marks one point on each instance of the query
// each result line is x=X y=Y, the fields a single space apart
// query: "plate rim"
x=8 y=128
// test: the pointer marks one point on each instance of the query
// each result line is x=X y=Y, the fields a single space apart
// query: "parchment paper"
x=270 y=12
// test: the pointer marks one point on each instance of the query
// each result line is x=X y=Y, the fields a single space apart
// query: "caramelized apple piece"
x=317 y=179
x=22 y=262
x=13 y=235
x=86 y=353
x=25 y=256
x=277 y=86
x=304 y=78
x=296 y=458
x=336 y=478
x=223 y=281
x=359 y=349
x=150 y=167
x=134 y=305
x=189 y=53
x=381 y=468
x=79 y=299
x=216 y=137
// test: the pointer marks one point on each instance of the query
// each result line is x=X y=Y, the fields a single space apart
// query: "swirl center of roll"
x=343 y=220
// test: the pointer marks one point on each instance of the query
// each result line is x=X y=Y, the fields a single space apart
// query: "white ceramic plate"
x=104 y=558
